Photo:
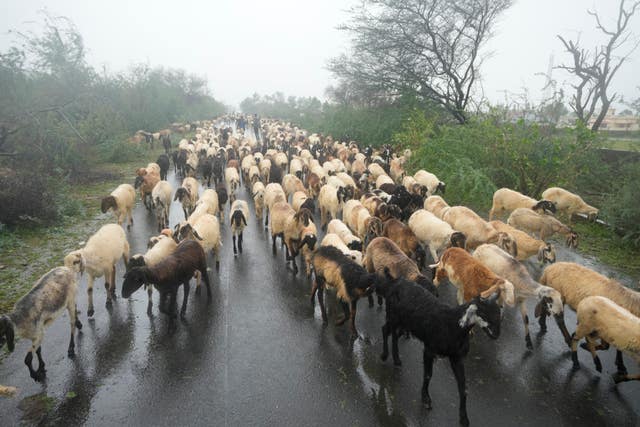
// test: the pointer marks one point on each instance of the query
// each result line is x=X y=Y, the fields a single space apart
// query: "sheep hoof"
x=39 y=376
x=384 y=356
x=90 y=312
x=109 y=303
x=397 y=362
x=619 y=377
x=71 y=353
x=78 y=325
x=529 y=344
x=426 y=401
x=217 y=265
x=464 y=420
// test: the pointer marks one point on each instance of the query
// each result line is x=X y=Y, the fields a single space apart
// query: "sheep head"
x=355 y=245
x=137 y=261
x=75 y=261
x=547 y=254
x=458 y=240
x=133 y=280
x=484 y=312
x=441 y=187
x=107 y=203
x=545 y=206
x=572 y=239
x=508 y=243
x=7 y=333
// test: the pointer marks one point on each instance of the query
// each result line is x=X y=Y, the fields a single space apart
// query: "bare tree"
x=595 y=69
x=428 y=47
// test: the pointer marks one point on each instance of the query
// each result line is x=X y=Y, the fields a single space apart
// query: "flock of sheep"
x=379 y=222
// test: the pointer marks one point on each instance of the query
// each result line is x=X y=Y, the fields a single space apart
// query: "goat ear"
x=244 y=220
x=469 y=317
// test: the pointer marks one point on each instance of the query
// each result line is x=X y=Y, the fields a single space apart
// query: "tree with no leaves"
x=595 y=70
x=426 y=47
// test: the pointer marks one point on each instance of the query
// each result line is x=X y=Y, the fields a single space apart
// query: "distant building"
x=611 y=122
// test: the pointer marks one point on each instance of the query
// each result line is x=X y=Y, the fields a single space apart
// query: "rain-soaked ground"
x=258 y=354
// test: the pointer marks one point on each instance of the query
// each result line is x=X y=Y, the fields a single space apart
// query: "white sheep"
x=52 y=293
x=233 y=182
x=477 y=230
x=599 y=317
x=330 y=201
x=506 y=200
x=257 y=193
x=435 y=233
x=384 y=179
x=187 y=195
x=430 y=181
x=329 y=168
x=543 y=226
x=99 y=257
x=209 y=199
x=265 y=169
x=239 y=214
x=569 y=203
x=273 y=193
x=121 y=200
x=346 y=179
x=331 y=239
x=528 y=246
x=296 y=167
x=338 y=227
x=549 y=301
x=161 y=196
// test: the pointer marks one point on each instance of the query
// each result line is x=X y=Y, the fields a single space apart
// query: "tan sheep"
x=543 y=226
x=527 y=246
x=599 y=317
x=436 y=205
x=477 y=230
x=506 y=200
x=576 y=282
x=569 y=204
x=435 y=233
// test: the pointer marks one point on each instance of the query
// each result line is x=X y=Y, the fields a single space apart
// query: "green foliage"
x=57 y=112
x=622 y=207
x=25 y=196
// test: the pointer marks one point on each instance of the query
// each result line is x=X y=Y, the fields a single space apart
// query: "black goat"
x=166 y=143
x=335 y=269
x=166 y=276
x=444 y=330
x=218 y=168
x=275 y=173
x=164 y=163
x=206 y=165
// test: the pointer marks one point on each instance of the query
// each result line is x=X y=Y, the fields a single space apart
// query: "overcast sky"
x=265 y=46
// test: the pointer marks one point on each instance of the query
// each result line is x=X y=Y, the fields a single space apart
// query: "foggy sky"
x=265 y=46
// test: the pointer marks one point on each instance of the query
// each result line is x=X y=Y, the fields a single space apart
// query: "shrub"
x=120 y=151
x=26 y=196
x=622 y=207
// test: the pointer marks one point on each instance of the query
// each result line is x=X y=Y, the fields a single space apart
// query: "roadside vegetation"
x=66 y=141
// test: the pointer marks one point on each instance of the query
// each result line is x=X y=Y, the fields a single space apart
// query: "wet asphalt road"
x=258 y=354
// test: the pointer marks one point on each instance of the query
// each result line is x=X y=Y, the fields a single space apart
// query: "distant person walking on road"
x=256 y=126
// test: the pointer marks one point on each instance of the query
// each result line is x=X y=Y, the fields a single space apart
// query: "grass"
x=602 y=243
x=622 y=144
x=30 y=251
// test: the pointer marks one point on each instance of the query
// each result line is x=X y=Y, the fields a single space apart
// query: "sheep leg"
x=173 y=309
x=353 y=309
x=273 y=244
x=235 y=251
x=240 y=242
x=266 y=217
x=185 y=297
x=622 y=370
x=426 y=379
x=345 y=310
x=73 y=318
x=591 y=345
x=574 y=351
x=216 y=254
x=386 y=329
x=563 y=328
x=542 y=321
x=197 y=275
x=90 y=310
x=130 y=213
x=205 y=276
x=370 y=299
x=394 y=347
x=525 y=319
x=458 y=370
x=150 y=303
